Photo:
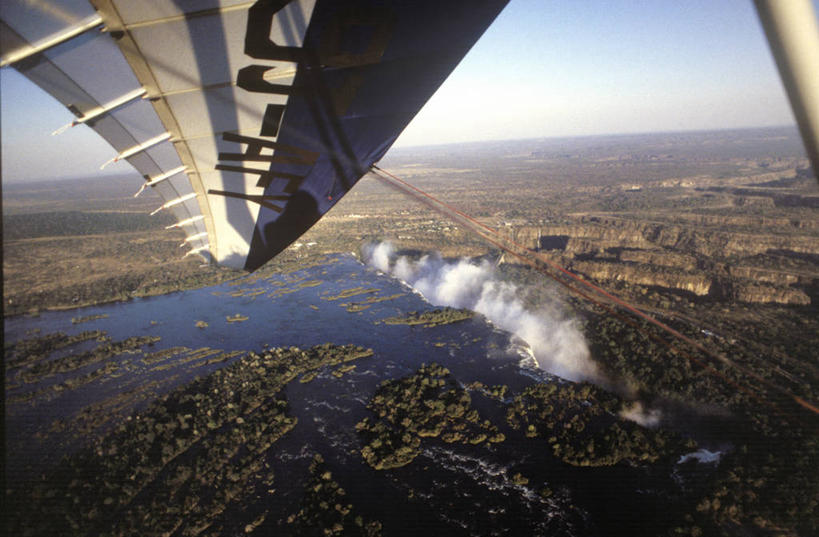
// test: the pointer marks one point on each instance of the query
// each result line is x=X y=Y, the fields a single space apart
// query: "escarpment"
x=763 y=293
x=647 y=275
x=706 y=255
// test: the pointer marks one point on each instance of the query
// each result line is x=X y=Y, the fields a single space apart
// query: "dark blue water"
x=457 y=490
x=302 y=316
x=296 y=309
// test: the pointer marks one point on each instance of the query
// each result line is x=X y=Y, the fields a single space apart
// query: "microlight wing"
x=250 y=119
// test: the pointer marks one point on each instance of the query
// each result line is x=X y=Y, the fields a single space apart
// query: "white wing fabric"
x=184 y=61
x=250 y=118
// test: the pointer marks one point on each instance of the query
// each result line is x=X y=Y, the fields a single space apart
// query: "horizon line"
x=601 y=135
x=120 y=176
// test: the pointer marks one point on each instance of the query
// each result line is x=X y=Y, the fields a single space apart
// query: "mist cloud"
x=644 y=416
x=555 y=339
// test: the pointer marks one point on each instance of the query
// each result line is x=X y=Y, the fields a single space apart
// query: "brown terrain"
x=747 y=231
x=730 y=217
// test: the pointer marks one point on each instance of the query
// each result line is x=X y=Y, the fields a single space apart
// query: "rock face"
x=659 y=258
x=690 y=253
x=747 y=221
x=642 y=235
x=760 y=293
x=764 y=275
x=647 y=275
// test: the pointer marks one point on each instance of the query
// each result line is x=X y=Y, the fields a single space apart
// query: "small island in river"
x=429 y=319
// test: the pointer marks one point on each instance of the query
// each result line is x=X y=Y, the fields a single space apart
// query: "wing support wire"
x=104 y=109
x=138 y=148
x=53 y=40
x=187 y=221
x=177 y=201
x=159 y=178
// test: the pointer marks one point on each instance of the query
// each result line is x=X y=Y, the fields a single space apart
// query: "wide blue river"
x=465 y=490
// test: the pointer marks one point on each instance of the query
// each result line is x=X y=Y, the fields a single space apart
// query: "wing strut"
x=793 y=35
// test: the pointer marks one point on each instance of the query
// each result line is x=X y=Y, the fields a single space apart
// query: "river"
x=465 y=490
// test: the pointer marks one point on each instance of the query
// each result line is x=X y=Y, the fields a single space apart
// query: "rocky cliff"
x=659 y=258
x=647 y=275
x=690 y=253
x=765 y=275
x=748 y=222
x=761 y=293
x=689 y=239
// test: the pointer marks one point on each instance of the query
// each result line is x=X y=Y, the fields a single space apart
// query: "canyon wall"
x=726 y=257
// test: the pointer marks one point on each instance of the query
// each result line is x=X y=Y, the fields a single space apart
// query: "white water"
x=555 y=339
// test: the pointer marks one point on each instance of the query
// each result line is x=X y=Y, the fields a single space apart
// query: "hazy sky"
x=544 y=68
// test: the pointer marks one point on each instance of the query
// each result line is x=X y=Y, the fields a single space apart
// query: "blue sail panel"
x=364 y=71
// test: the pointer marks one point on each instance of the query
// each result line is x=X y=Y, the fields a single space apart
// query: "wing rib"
x=160 y=178
x=52 y=41
x=176 y=201
x=104 y=109
x=187 y=221
x=138 y=148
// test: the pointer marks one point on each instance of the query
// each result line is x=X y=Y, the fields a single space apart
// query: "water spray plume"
x=555 y=339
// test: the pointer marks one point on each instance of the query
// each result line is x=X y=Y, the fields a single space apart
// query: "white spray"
x=555 y=339
x=647 y=417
